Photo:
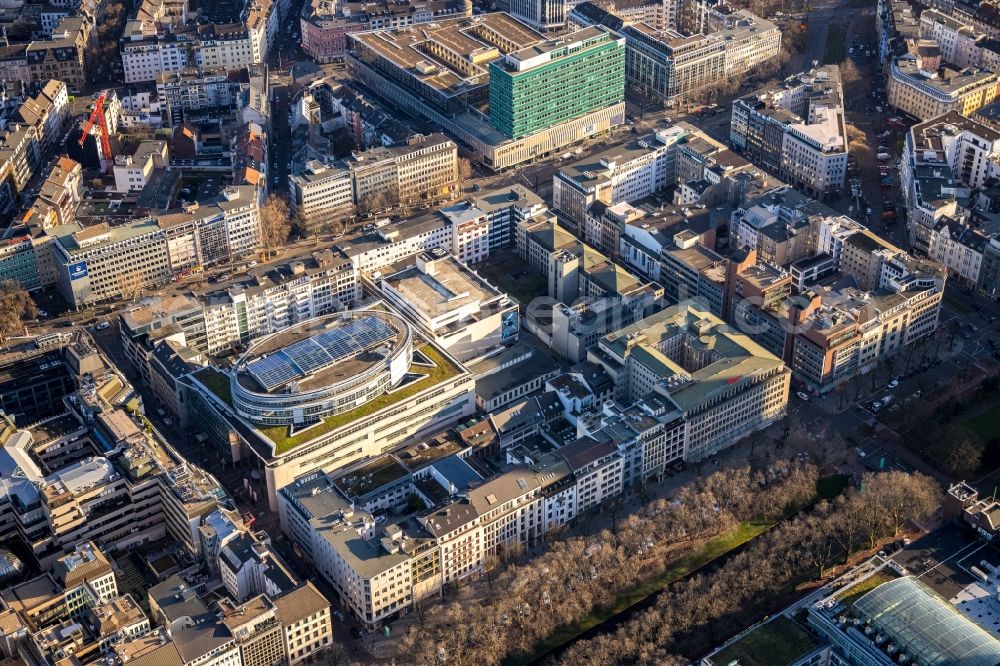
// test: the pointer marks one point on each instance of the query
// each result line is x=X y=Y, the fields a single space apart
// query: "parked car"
x=337 y=614
x=104 y=325
x=357 y=633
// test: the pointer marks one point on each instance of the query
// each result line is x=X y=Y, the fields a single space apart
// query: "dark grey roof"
x=458 y=472
x=585 y=451
x=206 y=635
x=176 y=599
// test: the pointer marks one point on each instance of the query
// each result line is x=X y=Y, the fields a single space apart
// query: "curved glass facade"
x=290 y=406
x=926 y=627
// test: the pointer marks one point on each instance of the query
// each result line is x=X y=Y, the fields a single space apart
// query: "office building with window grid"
x=555 y=81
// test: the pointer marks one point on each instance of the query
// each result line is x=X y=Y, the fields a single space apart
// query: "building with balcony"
x=925 y=87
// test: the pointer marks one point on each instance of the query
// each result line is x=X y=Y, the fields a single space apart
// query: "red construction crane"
x=97 y=115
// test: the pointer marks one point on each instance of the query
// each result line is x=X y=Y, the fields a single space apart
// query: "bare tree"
x=275 y=223
x=377 y=202
x=850 y=76
x=16 y=307
x=464 y=169
x=131 y=284
x=964 y=451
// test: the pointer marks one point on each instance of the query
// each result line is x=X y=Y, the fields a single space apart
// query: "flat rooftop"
x=424 y=50
x=444 y=288
x=321 y=352
x=520 y=373
x=930 y=135
x=780 y=642
x=363 y=480
x=533 y=56
x=954 y=80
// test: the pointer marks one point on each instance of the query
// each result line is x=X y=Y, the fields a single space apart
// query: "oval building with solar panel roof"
x=322 y=367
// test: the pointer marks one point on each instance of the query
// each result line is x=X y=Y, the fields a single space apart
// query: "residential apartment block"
x=213 y=231
x=379 y=571
x=943 y=159
x=63 y=55
x=186 y=92
x=925 y=87
x=173 y=48
x=425 y=169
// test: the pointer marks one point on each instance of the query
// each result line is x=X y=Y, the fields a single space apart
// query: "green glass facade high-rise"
x=552 y=82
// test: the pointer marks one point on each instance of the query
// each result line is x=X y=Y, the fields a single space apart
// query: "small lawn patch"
x=777 y=643
x=216 y=382
x=852 y=594
x=830 y=487
x=986 y=424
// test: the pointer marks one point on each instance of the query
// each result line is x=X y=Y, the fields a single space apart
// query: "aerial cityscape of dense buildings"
x=428 y=332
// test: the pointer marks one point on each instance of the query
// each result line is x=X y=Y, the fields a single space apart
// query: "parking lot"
x=940 y=559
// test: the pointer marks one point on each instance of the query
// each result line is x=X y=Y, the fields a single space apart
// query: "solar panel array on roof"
x=320 y=351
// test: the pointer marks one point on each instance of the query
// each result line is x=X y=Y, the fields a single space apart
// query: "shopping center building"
x=329 y=392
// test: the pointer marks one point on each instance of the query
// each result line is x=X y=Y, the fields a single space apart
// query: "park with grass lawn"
x=959 y=436
x=644 y=593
